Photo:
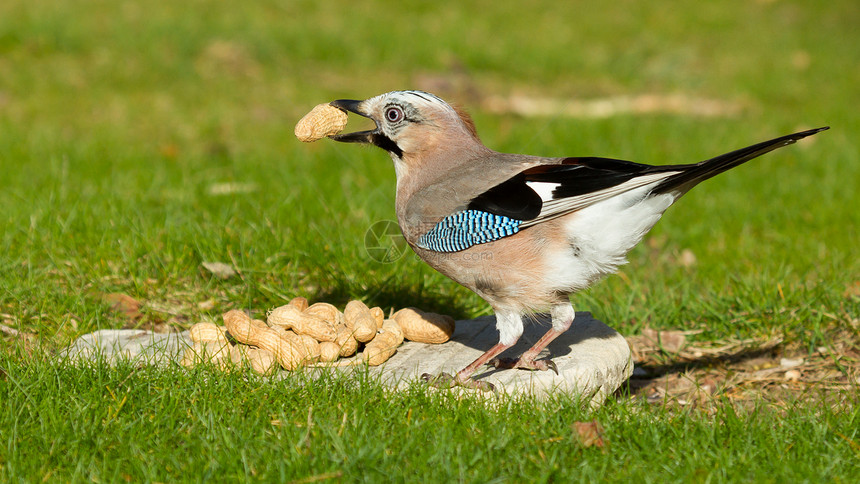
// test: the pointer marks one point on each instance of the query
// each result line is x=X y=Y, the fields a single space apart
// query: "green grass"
x=167 y=425
x=118 y=119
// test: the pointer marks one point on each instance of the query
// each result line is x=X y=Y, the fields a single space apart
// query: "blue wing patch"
x=462 y=230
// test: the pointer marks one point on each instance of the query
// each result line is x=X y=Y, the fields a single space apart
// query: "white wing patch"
x=543 y=189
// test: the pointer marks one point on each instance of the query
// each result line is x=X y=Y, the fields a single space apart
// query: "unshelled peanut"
x=424 y=327
x=360 y=321
x=256 y=333
x=384 y=345
x=323 y=120
x=213 y=352
x=299 y=303
x=326 y=312
x=207 y=332
x=346 y=341
x=289 y=317
x=329 y=351
x=262 y=361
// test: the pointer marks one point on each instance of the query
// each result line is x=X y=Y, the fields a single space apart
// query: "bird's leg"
x=562 y=318
x=510 y=327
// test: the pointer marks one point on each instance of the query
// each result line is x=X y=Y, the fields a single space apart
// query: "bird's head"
x=412 y=126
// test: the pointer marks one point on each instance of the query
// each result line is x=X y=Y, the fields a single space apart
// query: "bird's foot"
x=447 y=380
x=525 y=363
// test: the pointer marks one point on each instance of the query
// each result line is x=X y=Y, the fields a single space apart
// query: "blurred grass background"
x=139 y=139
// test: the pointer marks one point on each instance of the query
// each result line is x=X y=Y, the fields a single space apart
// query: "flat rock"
x=593 y=360
x=138 y=345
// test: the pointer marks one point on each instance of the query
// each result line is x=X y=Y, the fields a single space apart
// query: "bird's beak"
x=353 y=106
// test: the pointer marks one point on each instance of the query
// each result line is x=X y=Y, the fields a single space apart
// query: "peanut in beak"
x=323 y=120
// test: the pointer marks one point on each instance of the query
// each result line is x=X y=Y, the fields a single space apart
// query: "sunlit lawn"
x=138 y=140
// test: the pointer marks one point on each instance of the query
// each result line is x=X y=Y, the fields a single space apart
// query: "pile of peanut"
x=296 y=335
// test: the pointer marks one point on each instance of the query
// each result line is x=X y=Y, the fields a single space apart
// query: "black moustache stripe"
x=386 y=144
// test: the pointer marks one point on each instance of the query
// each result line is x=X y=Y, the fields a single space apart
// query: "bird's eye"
x=394 y=114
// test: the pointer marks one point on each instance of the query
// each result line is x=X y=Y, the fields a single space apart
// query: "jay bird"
x=523 y=232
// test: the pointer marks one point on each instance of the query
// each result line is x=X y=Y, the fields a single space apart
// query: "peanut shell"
x=346 y=341
x=289 y=317
x=382 y=347
x=299 y=303
x=329 y=351
x=262 y=361
x=323 y=120
x=360 y=321
x=424 y=327
x=212 y=352
x=207 y=332
x=326 y=312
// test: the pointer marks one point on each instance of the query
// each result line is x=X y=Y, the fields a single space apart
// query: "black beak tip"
x=348 y=105
x=352 y=106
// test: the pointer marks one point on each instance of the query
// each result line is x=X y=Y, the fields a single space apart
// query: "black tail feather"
x=706 y=169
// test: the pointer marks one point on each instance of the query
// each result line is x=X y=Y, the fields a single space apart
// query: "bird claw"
x=523 y=363
x=447 y=380
x=442 y=380
x=503 y=363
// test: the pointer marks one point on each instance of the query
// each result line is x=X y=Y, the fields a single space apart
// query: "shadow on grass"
x=387 y=294
x=650 y=373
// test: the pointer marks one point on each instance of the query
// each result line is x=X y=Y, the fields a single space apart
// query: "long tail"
x=699 y=172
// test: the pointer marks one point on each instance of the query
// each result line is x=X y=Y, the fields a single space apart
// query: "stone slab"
x=137 y=345
x=593 y=359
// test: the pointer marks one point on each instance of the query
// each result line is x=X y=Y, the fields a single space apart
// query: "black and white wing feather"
x=547 y=191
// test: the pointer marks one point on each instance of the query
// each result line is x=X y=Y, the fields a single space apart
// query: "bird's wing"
x=558 y=187
x=576 y=183
x=537 y=194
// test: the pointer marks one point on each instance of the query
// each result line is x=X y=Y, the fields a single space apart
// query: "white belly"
x=601 y=235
